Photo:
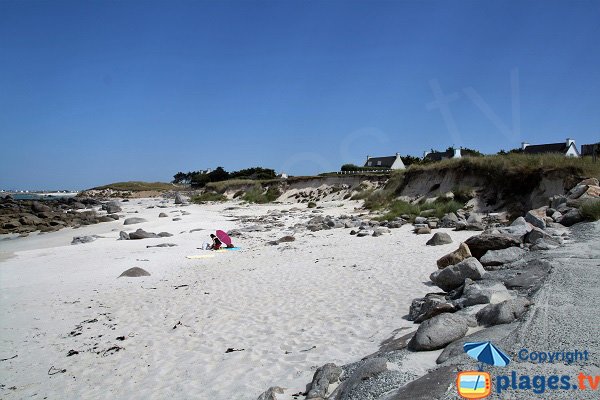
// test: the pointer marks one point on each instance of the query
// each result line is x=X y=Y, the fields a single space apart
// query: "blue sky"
x=93 y=92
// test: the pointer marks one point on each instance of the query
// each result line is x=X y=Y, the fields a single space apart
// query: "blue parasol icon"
x=486 y=352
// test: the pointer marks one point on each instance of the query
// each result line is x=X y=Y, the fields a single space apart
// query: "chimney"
x=456 y=153
x=569 y=141
x=524 y=145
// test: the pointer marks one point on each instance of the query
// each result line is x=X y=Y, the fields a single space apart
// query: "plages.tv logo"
x=478 y=384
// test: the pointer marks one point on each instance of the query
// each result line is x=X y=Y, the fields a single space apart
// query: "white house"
x=391 y=162
x=567 y=148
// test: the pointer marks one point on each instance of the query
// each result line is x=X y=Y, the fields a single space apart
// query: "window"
x=369 y=163
x=378 y=163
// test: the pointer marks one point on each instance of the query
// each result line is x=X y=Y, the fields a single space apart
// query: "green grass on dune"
x=397 y=208
x=208 y=196
x=516 y=164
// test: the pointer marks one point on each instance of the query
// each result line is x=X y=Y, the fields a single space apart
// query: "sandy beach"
x=326 y=297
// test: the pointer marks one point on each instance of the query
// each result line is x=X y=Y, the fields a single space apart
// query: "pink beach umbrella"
x=224 y=237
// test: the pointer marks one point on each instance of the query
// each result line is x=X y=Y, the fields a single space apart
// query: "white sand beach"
x=326 y=297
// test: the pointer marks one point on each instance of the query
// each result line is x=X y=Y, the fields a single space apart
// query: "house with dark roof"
x=442 y=155
x=451 y=152
x=391 y=162
x=566 y=148
x=590 y=150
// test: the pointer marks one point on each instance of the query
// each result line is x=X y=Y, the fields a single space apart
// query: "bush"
x=208 y=196
x=398 y=208
x=363 y=194
x=591 y=210
x=311 y=204
x=256 y=195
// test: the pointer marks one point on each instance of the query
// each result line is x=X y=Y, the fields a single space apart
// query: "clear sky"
x=93 y=92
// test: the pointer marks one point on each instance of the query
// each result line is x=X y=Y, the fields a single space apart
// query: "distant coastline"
x=38 y=195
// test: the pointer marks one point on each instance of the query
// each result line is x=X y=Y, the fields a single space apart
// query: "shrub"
x=256 y=195
x=208 y=196
x=362 y=194
x=591 y=210
x=311 y=204
x=272 y=194
x=398 y=208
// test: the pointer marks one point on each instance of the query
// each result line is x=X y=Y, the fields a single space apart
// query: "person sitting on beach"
x=216 y=243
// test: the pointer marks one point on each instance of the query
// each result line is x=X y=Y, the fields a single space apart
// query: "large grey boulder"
x=438 y=331
x=536 y=217
x=570 y=218
x=482 y=292
x=529 y=279
x=270 y=393
x=439 y=238
x=179 y=199
x=454 y=276
x=420 y=220
x=424 y=230
x=504 y=256
x=83 y=239
x=354 y=385
x=517 y=230
x=455 y=257
x=480 y=244
x=381 y=230
x=142 y=234
x=427 y=307
x=135 y=272
x=493 y=334
x=504 y=312
x=449 y=220
x=111 y=207
x=433 y=385
x=577 y=191
x=133 y=220
x=323 y=377
x=537 y=234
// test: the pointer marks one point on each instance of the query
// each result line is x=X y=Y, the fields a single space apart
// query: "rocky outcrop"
x=454 y=276
x=494 y=258
x=455 y=257
x=142 y=234
x=439 y=238
x=25 y=216
x=134 y=220
x=437 y=332
x=480 y=244
x=323 y=377
x=135 y=272
x=504 y=312
x=270 y=393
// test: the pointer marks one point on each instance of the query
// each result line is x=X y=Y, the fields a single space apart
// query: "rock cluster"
x=488 y=281
x=25 y=216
